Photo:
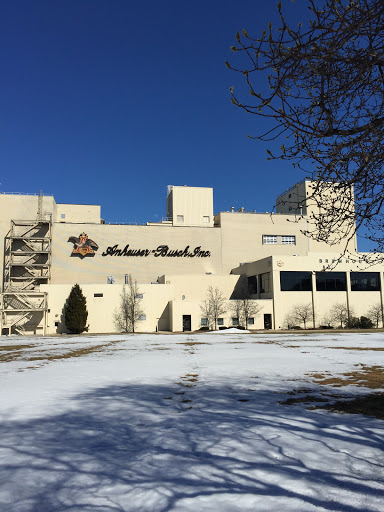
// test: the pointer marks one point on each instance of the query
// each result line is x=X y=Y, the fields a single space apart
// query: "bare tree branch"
x=322 y=87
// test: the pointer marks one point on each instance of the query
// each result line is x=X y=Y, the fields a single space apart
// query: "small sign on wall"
x=83 y=246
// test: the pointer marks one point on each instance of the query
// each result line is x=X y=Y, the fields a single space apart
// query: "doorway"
x=267 y=321
x=186 y=323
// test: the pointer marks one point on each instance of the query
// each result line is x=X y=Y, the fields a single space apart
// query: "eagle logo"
x=83 y=246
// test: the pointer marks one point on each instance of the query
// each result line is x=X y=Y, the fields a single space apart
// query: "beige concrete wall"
x=69 y=269
x=242 y=237
x=101 y=310
x=180 y=308
x=194 y=288
x=297 y=200
x=293 y=200
x=78 y=213
x=195 y=204
x=163 y=304
x=191 y=291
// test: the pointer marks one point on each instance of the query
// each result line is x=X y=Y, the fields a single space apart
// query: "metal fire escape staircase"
x=27 y=265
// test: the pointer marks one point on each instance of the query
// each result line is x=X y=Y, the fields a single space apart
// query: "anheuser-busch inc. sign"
x=162 y=251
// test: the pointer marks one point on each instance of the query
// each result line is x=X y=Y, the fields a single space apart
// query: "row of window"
x=138 y=295
x=325 y=282
x=220 y=321
x=276 y=239
x=329 y=281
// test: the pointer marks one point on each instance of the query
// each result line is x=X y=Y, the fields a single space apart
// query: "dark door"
x=186 y=322
x=267 y=321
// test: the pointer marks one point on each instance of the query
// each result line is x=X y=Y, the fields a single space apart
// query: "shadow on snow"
x=162 y=448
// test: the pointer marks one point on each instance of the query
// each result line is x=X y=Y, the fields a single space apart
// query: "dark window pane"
x=331 y=282
x=295 y=281
x=365 y=281
x=252 y=284
x=265 y=283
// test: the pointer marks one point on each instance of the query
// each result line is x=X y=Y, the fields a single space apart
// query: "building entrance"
x=267 y=321
x=186 y=323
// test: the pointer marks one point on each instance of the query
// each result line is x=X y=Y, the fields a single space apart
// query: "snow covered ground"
x=140 y=423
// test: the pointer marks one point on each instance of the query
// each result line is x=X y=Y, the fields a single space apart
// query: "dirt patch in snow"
x=368 y=376
x=372 y=404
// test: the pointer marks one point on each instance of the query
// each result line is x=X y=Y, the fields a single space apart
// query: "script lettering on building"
x=162 y=251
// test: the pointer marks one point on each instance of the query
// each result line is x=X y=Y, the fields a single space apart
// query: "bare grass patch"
x=368 y=376
x=192 y=343
x=372 y=404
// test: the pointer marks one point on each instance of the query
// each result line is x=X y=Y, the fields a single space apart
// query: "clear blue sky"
x=110 y=101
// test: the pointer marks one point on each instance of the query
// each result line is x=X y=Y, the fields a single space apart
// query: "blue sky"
x=110 y=101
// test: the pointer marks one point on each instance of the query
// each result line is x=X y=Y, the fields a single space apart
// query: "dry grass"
x=14 y=347
x=15 y=352
x=371 y=377
x=12 y=352
x=192 y=343
x=370 y=405
x=373 y=349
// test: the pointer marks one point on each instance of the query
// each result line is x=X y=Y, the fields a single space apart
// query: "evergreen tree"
x=76 y=313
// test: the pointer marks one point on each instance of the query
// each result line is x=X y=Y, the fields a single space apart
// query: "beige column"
x=348 y=275
x=273 y=298
x=313 y=276
x=381 y=298
x=45 y=313
x=1 y=313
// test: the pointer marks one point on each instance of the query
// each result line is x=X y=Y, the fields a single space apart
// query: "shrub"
x=360 y=323
x=366 y=323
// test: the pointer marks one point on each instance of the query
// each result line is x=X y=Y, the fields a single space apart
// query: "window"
x=56 y=324
x=269 y=239
x=235 y=321
x=180 y=218
x=331 y=282
x=97 y=294
x=142 y=317
x=252 y=285
x=265 y=282
x=295 y=281
x=206 y=219
x=220 y=321
x=204 y=322
x=251 y=321
x=139 y=295
x=365 y=282
x=288 y=240
x=62 y=215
